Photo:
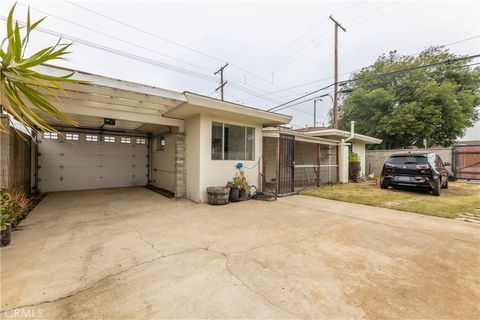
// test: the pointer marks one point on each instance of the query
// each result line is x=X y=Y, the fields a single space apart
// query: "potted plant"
x=354 y=166
x=238 y=188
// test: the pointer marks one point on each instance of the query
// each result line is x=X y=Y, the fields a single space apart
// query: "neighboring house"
x=133 y=135
x=356 y=142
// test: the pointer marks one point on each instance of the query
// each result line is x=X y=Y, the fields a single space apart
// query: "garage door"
x=80 y=161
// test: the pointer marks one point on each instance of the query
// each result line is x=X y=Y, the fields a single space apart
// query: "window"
x=407 y=160
x=230 y=142
x=109 y=139
x=141 y=141
x=71 y=136
x=50 y=136
x=91 y=138
x=160 y=143
x=125 y=140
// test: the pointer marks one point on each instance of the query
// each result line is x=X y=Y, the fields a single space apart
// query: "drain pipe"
x=352 y=131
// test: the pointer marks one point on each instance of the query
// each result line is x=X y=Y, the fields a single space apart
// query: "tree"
x=22 y=88
x=436 y=103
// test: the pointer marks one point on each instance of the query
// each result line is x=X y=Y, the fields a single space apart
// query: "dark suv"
x=420 y=170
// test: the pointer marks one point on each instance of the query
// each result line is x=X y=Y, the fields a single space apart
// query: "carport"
x=122 y=138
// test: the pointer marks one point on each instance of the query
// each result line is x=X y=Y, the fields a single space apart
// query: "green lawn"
x=459 y=198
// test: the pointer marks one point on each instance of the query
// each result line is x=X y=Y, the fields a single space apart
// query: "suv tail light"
x=423 y=167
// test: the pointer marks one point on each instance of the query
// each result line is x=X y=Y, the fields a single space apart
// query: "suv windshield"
x=408 y=160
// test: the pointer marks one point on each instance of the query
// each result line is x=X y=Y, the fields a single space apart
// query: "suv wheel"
x=445 y=186
x=437 y=188
x=383 y=185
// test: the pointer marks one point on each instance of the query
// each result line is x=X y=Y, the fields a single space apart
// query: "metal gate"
x=286 y=165
x=466 y=161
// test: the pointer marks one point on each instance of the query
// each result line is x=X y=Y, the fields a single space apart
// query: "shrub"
x=13 y=204
x=353 y=157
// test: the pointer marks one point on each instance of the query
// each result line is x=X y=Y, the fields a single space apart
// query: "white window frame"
x=160 y=145
x=223 y=141
x=91 y=138
x=50 y=136
x=72 y=136
x=140 y=141
x=109 y=139
x=125 y=140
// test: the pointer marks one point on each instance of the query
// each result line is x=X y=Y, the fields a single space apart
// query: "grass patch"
x=459 y=199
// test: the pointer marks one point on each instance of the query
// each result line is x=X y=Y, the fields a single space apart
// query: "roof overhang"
x=198 y=104
x=104 y=97
x=341 y=134
x=276 y=132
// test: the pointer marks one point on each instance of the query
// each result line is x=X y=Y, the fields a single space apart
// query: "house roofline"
x=345 y=134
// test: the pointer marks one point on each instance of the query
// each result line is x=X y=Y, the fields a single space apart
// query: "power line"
x=141 y=59
x=168 y=40
x=352 y=71
x=115 y=37
x=384 y=13
x=277 y=108
x=347 y=8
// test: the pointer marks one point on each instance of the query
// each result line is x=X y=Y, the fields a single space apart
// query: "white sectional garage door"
x=81 y=161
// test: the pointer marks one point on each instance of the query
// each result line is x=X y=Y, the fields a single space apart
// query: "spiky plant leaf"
x=24 y=90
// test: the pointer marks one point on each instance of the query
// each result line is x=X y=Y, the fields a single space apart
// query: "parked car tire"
x=383 y=185
x=437 y=189
x=445 y=185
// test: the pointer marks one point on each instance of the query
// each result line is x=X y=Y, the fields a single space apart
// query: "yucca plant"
x=24 y=89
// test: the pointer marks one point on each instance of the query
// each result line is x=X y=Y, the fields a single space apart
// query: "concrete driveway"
x=131 y=253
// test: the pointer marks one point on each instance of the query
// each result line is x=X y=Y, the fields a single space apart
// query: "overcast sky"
x=270 y=46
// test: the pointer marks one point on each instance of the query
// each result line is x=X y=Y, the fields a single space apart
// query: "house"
x=355 y=142
x=130 y=134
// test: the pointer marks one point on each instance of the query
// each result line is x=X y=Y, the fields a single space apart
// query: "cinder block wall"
x=180 y=172
x=15 y=158
x=374 y=159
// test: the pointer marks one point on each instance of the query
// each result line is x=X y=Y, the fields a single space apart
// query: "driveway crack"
x=146 y=241
x=103 y=279
x=246 y=285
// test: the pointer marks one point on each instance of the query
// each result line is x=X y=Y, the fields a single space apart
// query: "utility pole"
x=335 y=97
x=222 y=83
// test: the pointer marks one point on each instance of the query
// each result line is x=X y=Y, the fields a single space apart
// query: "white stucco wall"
x=202 y=171
x=359 y=148
x=163 y=163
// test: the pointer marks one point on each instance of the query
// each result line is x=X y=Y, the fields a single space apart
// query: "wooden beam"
x=73 y=95
x=95 y=109
x=91 y=88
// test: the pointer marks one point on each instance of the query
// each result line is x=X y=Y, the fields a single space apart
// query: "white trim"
x=344 y=134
